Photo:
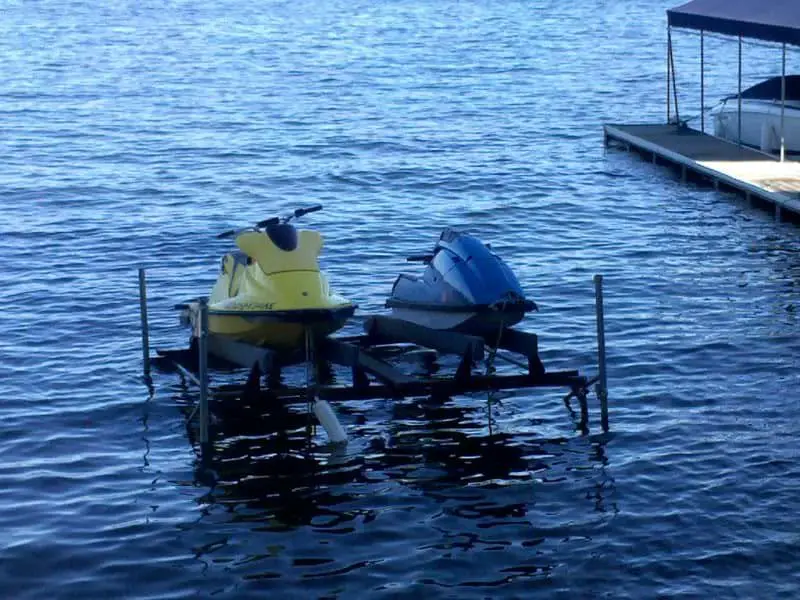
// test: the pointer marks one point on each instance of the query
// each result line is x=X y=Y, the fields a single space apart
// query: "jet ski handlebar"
x=304 y=211
x=299 y=212
x=296 y=214
x=268 y=222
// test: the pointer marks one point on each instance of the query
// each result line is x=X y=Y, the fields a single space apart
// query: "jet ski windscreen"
x=284 y=236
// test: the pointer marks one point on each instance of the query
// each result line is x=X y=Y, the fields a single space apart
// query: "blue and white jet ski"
x=465 y=287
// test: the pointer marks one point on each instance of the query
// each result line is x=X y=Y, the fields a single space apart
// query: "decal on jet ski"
x=250 y=306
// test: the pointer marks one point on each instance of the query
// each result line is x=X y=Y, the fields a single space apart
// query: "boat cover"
x=770 y=20
x=771 y=89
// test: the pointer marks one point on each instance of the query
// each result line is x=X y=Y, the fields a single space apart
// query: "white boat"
x=761 y=116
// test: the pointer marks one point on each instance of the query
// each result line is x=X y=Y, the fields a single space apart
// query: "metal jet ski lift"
x=373 y=376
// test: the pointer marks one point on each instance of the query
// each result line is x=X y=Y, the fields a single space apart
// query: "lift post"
x=143 y=317
x=601 y=388
x=202 y=360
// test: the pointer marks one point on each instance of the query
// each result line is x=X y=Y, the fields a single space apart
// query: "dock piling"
x=202 y=349
x=602 y=385
x=143 y=315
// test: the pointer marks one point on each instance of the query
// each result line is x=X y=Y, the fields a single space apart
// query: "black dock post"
x=145 y=327
x=602 y=386
x=202 y=349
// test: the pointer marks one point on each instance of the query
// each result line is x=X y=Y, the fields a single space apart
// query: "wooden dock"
x=756 y=175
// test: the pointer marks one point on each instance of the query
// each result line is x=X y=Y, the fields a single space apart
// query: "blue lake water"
x=133 y=132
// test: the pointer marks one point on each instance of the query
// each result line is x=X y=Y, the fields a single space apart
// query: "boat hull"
x=761 y=124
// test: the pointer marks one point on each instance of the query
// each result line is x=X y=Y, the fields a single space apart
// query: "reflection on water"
x=433 y=458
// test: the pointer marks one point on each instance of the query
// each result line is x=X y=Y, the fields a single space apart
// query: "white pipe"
x=327 y=418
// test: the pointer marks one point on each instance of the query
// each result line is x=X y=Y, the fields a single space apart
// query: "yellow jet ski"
x=272 y=292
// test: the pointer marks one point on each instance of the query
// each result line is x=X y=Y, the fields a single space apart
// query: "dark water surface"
x=135 y=131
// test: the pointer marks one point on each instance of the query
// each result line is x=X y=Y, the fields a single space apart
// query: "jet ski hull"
x=283 y=330
x=480 y=322
x=465 y=287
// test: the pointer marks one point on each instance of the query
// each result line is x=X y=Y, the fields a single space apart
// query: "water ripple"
x=137 y=131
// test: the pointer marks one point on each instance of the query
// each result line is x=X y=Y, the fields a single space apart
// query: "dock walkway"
x=725 y=164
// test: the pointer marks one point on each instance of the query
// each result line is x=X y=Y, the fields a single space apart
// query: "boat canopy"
x=771 y=89
x=769 y=20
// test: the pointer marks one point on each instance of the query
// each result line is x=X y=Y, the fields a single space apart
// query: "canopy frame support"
x=739 y=96
x=669 y=58
x=702 y=85
x=783 y=102
x=671 y=71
